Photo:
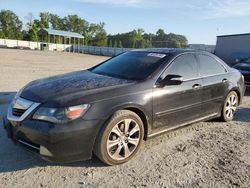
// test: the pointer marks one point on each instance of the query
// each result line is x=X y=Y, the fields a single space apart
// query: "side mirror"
x=171 y=79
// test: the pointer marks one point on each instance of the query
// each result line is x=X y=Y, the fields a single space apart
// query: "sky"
x=199 y=20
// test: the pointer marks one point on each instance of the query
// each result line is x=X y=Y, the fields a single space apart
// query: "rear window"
x=210 y=66
x=132 y=65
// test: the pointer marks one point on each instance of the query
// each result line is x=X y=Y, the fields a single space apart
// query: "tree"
x=10 y=25
x=161 y=34
x=76 y=24
x=110 y=43
x=160 y=40
x=132 y=39
x=30 y=20
x=57 y=22
x=33 y=32
x=177 y=41
x=25 y=35
x=32 y=26
x=138 y=38
x=2 y=34
x=44 y=20
x=96 y=35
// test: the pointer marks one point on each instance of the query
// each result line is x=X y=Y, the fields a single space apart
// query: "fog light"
x=44 y=151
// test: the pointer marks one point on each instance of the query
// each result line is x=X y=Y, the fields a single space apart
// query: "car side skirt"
x=214 y=115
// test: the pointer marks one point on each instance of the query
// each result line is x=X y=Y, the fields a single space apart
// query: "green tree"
x=44 y=20
x=10 y=25
x=2 y=34
x=161 y=34
x=57 y=22
x=33 y=32
x=76 y=24
x=137 y=38
x=110 y=43
x=133 y=39
x=94 y=34
x=25 y=35
x=97 y=36
x=177 y=41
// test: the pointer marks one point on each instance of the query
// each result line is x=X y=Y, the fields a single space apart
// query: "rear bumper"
x=56 y=143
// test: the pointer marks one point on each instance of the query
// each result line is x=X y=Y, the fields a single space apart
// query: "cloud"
x=213 y=9
x=207 y=9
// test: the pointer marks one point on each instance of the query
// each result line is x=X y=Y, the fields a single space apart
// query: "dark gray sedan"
x=109 y=109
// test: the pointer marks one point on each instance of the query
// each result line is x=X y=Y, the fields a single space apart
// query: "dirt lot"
x=208 y=154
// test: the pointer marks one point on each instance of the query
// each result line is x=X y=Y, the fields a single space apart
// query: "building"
x=231 y=48
x=50 y=38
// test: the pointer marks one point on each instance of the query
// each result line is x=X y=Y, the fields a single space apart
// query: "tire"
x=120 y=138
x=230 y=106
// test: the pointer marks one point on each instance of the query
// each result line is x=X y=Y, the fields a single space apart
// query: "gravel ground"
x=207 y=154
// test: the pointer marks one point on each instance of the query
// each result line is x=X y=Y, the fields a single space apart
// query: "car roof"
x=168 y=50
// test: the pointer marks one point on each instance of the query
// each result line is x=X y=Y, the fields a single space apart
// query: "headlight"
x=60 y=115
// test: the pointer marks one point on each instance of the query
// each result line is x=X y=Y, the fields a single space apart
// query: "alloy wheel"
x=231 y=106
x=123 y=139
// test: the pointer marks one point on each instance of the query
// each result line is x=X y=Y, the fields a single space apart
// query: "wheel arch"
x=140 y=111
x=143 y=117
x=235 y=89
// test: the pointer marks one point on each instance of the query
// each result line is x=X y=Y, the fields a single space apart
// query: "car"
x=244 y=67
x=109 y=109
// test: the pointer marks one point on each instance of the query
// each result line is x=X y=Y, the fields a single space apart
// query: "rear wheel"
x=230 y=106
x=120 y=139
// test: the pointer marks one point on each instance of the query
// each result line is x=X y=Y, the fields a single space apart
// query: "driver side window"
x=184 y=65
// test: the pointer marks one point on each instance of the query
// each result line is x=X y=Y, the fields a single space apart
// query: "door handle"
x=224 y=80
x=196 y=86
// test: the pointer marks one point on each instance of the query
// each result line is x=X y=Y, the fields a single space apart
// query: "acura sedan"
x=108 y=110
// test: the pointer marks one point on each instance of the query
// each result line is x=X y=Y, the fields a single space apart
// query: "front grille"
x=18 y=112
x=20 y=108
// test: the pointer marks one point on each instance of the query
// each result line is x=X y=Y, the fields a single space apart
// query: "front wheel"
x=120 y=139
x=230 y=106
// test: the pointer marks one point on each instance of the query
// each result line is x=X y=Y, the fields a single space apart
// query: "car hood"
x=243 y=66
x=47 y=89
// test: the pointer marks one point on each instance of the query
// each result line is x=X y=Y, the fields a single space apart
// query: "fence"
x=204 y=47
x=20 y=44
x=104 y=51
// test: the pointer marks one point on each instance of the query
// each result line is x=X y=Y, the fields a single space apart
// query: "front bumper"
x=56 y=143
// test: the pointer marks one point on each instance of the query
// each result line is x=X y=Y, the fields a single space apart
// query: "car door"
x=177 y=104
x=215 y=83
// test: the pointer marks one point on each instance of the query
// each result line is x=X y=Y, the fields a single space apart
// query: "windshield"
x=131 y=65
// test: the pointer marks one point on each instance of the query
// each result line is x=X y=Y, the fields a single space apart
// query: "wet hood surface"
x=49 y=88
